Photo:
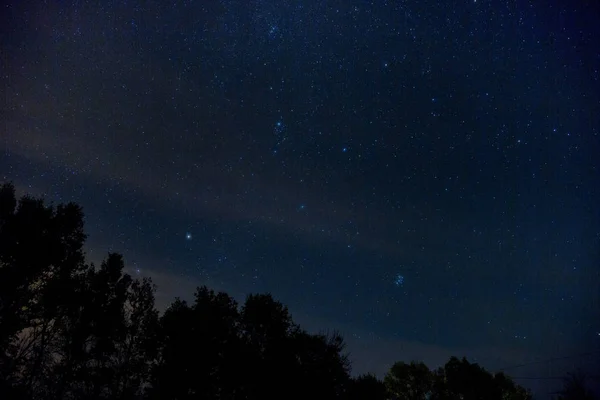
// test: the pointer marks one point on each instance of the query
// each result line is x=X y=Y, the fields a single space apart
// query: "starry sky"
x=422 y=176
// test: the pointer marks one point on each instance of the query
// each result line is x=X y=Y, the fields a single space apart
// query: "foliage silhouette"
x=574 y=388
x=366 y=387
x=409 y=381
x=72 y=330
x=459 y=379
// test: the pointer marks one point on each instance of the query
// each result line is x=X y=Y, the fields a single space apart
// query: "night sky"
x=422 y=176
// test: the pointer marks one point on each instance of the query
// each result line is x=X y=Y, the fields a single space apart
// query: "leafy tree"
x=265 y=323
x=67 y=329
x=409 y=381
x=574 y=388
x=41 y=258
x=459 y=379
x=266 y=327
x=199 y=348
x=322 y=370
x=466 y=380
x=111 y=339
x=506 y=389
x=366 y=387
x=139 y=347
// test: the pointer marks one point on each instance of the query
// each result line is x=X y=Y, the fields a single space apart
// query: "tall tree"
x=199 y=349
x=460 y=379
x=67 y=329
x=366 y=387
x=41 y=259
x=266 y=327
x=506 y=389
x=139 y=347
x=409 y=381
x=321 y=368
x=574 y=388
x=105 y=347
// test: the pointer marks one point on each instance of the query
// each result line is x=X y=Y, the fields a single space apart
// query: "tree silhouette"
x=139 y=348
x=505 y=388
x=266 y=327
x=460 y=379
x=71 y=330
x=41 y=259
x=112 y=337
x=322 y=368
x=199 y=345
x=366 y=387
x=409 y=381
x=67 y=329
x=574 y=388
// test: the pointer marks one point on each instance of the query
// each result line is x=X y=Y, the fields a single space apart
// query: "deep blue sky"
x=421 y=175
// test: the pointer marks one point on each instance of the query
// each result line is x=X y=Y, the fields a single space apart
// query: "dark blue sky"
x=421 y=175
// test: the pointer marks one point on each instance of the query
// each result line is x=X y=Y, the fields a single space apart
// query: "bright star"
x=188 y=236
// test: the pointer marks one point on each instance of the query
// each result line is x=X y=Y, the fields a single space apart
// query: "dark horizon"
x=422 y=177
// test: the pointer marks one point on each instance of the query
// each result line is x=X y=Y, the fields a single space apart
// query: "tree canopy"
x=72 y=330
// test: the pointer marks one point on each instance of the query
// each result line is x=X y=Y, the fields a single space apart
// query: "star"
x=188 y=236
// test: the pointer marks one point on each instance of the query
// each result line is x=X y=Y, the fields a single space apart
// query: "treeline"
x=72 y=330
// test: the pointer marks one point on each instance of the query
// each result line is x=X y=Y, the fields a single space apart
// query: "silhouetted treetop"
x=73 y=330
